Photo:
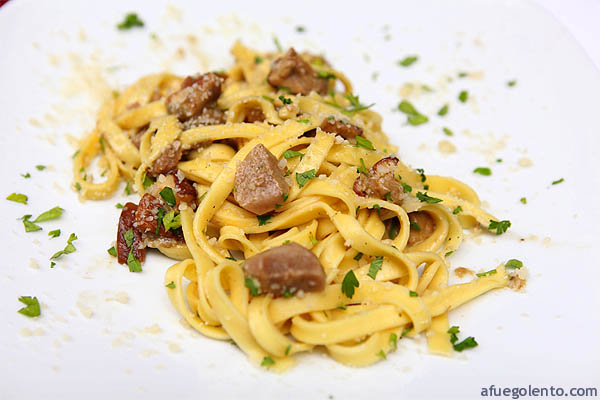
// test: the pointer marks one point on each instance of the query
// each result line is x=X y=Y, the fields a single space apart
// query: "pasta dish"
x=293 y=222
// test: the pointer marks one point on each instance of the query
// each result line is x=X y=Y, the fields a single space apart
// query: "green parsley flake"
x=463 y=96
x=119 y=205
x=252 y=286
x=304 y=177
x=388 y=197
x=326 y=75
x=561 y=180
x=168 y=196
x=133 y=263
x=268 y=98
x=258 y=59
x=365 y=143
x=448 y=253
x=102 y=146
x=425 y=198
x=128 y=189
x=511 y=83
x=285 y=100
x=485 y=171
x=112 y=251
x=513 y=264
x=30 y=226
x=375 y=266
x=291 y=154
x=405 y=332
x=523 y=200
x=443 y=111
x=300 y=29
x=76 y=154
x=267 y=362
x=128 y=236
x=264 y=219
x=69 y=248
x=349 y=283
x=453 y=331
x=408 y=61
x=277 y=44
x=171 y=221
x=413 y=294
x=421 y=172
x=363 y=168
x=54 y=233
x=468 y=343
x=393 y=341
x=417 y=119
x=382 y=354
x=148 y=181
x=499 y=226
x=32 y=306
x=77 y=186
x=26 y=175
x=40 y=167
x=486 y=273
x=131 y=21
x=287 y=294
x=415 y=226
x=304 y=121
x=52 y=264
x=287 y=349
x=358 y=256
x=285 y=196
x=51 y=214
x=406 y=187
x=447 y=131
x=170 y=285
x=457 y=210
x=17 y=198
x=313 y=240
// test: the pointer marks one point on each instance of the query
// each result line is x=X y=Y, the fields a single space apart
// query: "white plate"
x=60 y=58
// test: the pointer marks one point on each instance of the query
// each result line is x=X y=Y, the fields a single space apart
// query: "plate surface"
x=106 y=332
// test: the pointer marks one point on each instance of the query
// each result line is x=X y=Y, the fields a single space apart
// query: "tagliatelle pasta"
x=400 y=267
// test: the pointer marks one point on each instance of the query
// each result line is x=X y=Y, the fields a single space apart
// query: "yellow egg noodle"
x=410 y=293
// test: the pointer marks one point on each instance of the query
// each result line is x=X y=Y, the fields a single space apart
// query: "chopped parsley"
x=406 y=187
x=277 y=44
x=523 y=200
x=264 y=219
x=267 y=362
x=453 y=331
x=32 y=306
x=313 y=240
x=511 y=83
x=388 y=197
x=30 y=226
x=26 y=175
x=291 y=154
x=51 y=214
x=363 y=168
x=447 y=131
x=393 y=341
x=168 y=196
x=268 y=98
x=415 y=226
x=499 y=226
x=133 y=263
x=408 y=61
x=148 y=181
x=252 y=286
x=69 y=248
x=102 y=146
x=77 y=186
x=485 y=171
x=285 y=196
x=463 y=96
x=349 y=283
x=358 y=256
x=413 y=294
x=468 y=343
x=421 y=172
x=382 y=354
x=405 y=332
x=414 y=116
x=486 y=273
x=304 y=177
x=54 y=233
x=287 y=349
x=365 y=143
x=326 y=75
x=258 y=59
x=128 y=236
x=52 y=264
x=457 y=210
x=171 y=221
x=131 y=21
x=128 y=189
x=170 y=285
x=378 y=208
x=448 y=253
x=463 y=74
x=119 y=206
x=425 y=198
x=76 y=154
x=40 y=167
x=231 y=257
x=443 y=111
x=355 y=105
x=407 y=108
x=304 y=121
x=556 y=182
x=300 y=29
x=375 y=266
x=112 y=251
x=17 y=198
x=513 y=264
x=285 y=100
x=287 y=294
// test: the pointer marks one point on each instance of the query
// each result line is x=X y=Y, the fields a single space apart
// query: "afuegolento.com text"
x=537 y=391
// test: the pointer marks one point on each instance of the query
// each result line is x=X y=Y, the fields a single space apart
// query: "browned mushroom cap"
x=196 y=93
x=292 y=72
x=341 y=128
x=259 y=182
x=380 y=182
x=286 y=269
x=422 y=226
